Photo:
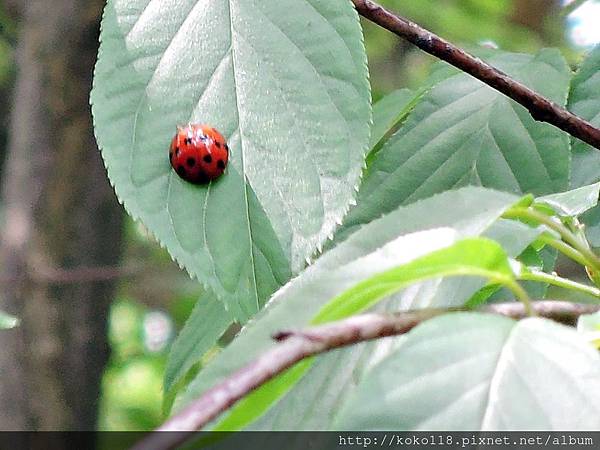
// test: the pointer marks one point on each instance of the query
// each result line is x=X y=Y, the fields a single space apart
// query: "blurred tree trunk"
x=59 y=212
x=7 y=76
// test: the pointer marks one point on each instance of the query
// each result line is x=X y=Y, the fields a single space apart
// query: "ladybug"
x=198 y=153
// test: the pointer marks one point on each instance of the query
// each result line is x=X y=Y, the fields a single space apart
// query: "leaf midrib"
x=241 y=131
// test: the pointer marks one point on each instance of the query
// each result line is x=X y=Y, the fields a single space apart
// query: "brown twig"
x=540 y=108
x=295 y=345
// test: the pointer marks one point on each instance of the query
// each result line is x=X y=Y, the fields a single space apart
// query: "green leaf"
x=515 y=238
x=584 y=100
x=543 y=260
x=441 y=70
x=206 y=324
x=389 y=112
x=480 y=372
x=480 y=257
x=7 y=321
x=463 y=132
x=403 y=248
x=306 y=407
x=574 y=202
x=470 y=257
x=298 y=131
x=378 y=246
x=591 y=219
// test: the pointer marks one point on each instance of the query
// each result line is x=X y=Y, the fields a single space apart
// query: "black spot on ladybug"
x=170 y=155
x=191 y=162
x=221 y=164
x=207 y=159
x=177 y=151
x=188 y=140
x=218 y=144
x=181 y=171
x=202 y=178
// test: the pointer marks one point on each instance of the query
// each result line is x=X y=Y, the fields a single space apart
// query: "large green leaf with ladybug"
x=284 y=81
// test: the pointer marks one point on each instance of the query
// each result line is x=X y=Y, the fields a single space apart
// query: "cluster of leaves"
x=445 y=173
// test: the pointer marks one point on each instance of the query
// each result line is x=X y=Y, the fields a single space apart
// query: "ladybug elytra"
x=198 y=153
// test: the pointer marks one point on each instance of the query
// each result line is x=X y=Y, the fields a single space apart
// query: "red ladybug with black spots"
x=198 y=153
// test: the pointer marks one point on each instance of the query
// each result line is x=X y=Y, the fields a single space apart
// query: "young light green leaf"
x=403 y=248
x=469 y=212
x=312 y=402
x=298 y=131
x=463 y=132
x=480 y=372
x=515 y=237
x=7 y=321
x=574 y=202
x=478 y=257
x=204 y=327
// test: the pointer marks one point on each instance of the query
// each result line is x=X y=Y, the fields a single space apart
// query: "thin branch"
x=592 y=260
x=562 y=247
x=539 y=107
x=295 y=345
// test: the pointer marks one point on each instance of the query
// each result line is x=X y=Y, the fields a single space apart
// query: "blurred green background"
x=152 y=305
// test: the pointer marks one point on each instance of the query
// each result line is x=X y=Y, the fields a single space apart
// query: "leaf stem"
x=565 y=249
x=520 y=294
x=555 y=280
x=529 y=214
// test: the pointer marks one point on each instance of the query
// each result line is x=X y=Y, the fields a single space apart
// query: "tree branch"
x=540 y=108
x=295 y=345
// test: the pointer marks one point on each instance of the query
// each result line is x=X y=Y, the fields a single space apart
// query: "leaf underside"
x=480 y=372
x=365 y=253
x=584 y=100
x=462 y=132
